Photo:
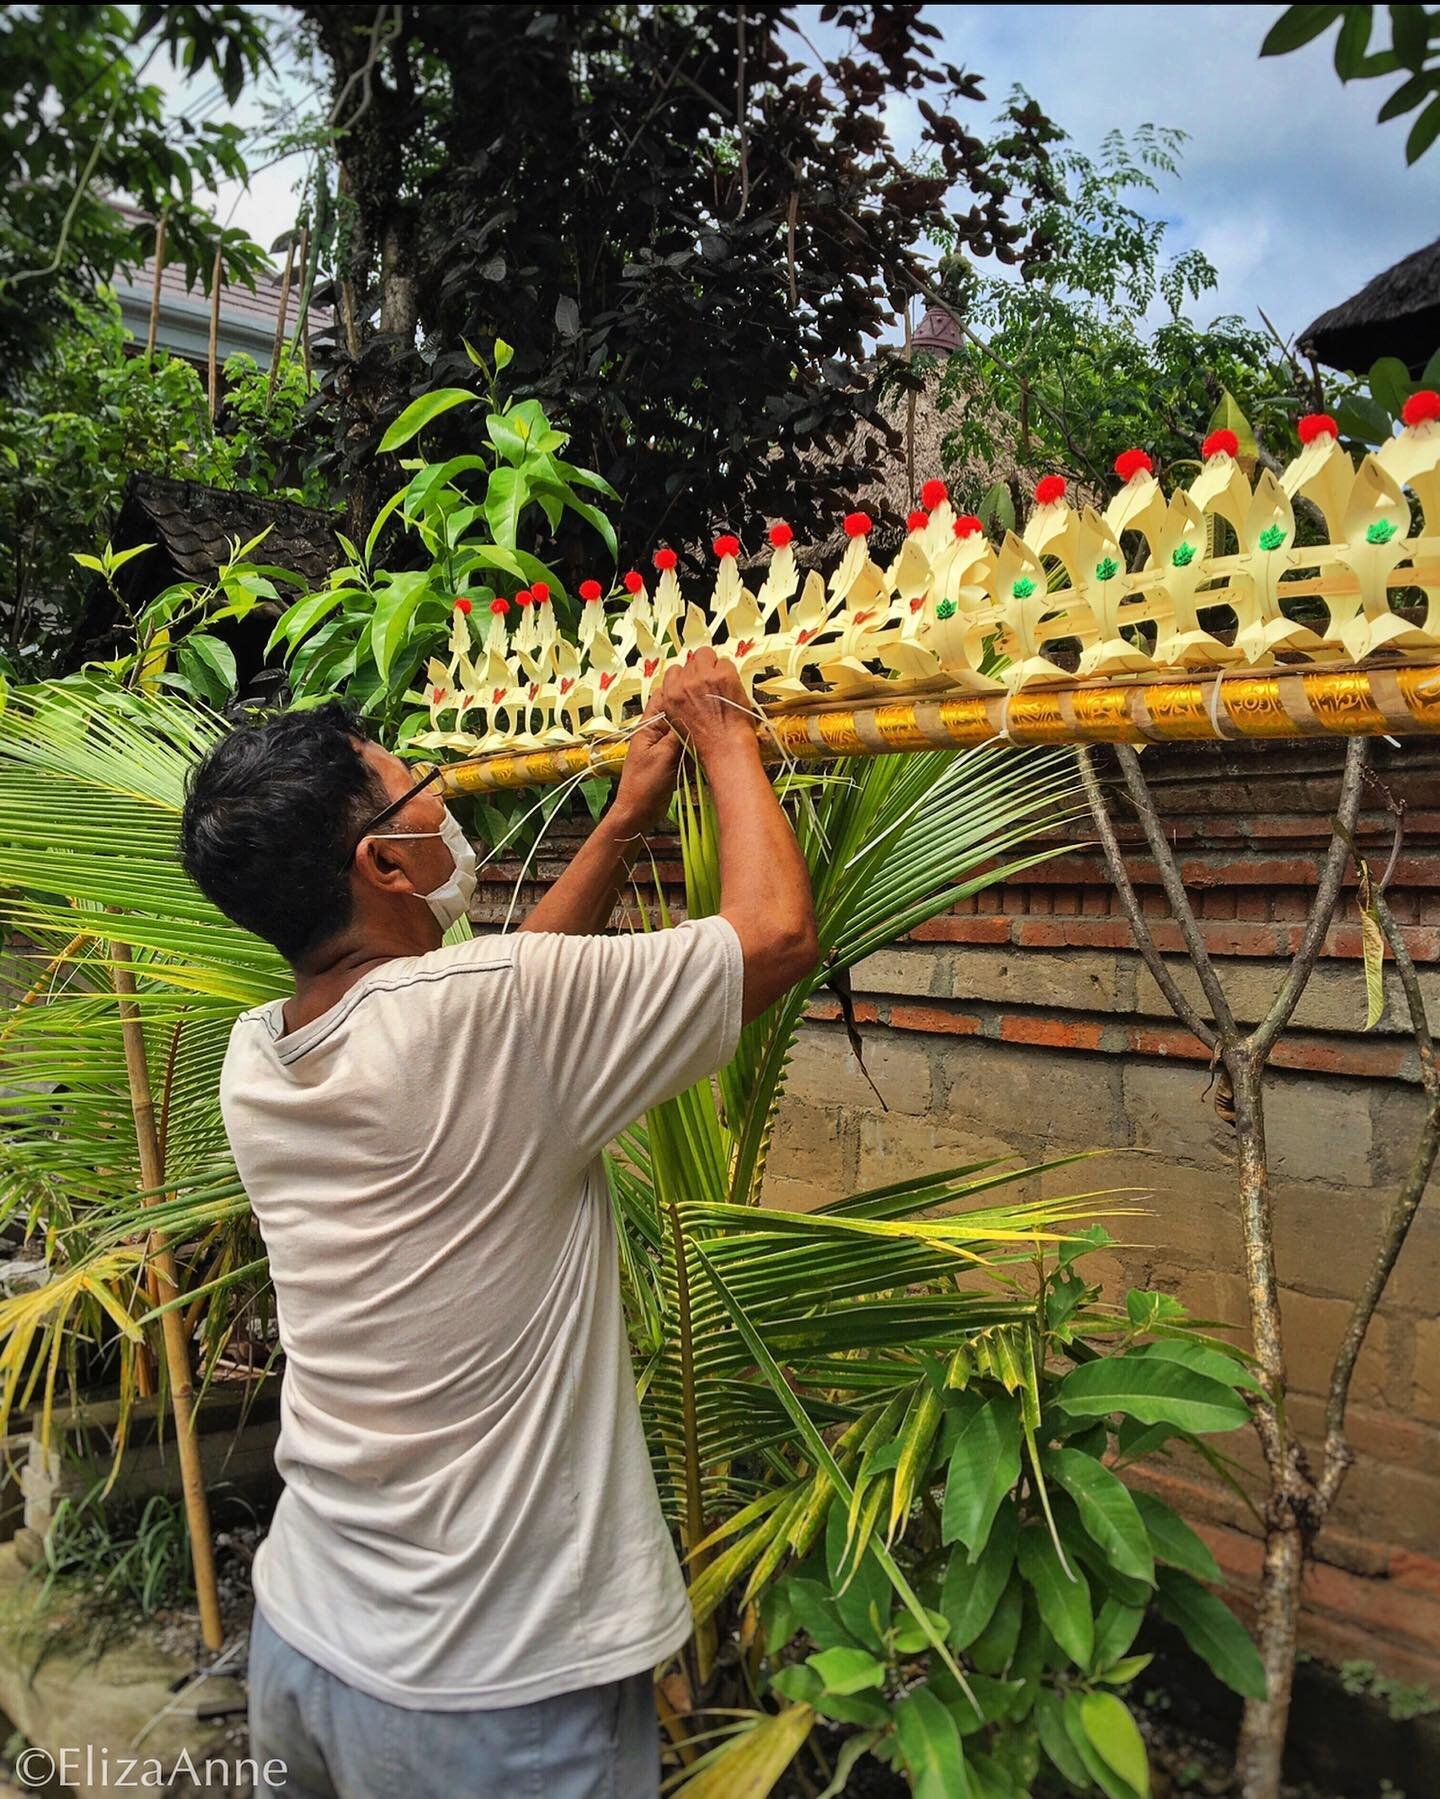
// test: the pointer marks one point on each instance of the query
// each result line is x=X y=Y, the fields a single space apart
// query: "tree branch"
x=1139 y=928
x=1322 y=910
x=1402 y=1213
x=1225 y=1027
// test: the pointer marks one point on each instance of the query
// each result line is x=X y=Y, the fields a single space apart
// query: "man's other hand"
x=648 y=777
x=704 y=700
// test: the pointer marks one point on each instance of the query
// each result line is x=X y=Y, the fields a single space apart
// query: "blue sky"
x=1287 y=183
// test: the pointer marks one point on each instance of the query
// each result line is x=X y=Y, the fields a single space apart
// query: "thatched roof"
x=1396 y=314
x=900 y=473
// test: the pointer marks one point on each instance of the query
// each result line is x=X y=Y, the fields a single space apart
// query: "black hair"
x=270 y=813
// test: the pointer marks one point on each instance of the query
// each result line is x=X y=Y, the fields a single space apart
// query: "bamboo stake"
x=280 y=319
x=177 y=1354
x=213 y=371
x=155 y=290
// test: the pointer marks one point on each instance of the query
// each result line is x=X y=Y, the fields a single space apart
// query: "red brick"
x=1162 y=1040
x=1376 y=1060
x=965 y=930
x=1057 y=1033
x=1254 y=906
x=934 y=1018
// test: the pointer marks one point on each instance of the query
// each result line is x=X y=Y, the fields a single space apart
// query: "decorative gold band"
x=1276 y=703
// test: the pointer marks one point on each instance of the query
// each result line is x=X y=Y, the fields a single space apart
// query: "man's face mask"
x=451 y=899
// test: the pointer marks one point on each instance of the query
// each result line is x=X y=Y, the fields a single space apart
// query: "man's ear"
x=377 y=866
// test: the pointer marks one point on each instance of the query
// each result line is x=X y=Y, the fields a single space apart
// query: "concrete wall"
x=1024 y=1023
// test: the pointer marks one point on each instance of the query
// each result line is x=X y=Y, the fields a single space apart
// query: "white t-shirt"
x=469 y=1517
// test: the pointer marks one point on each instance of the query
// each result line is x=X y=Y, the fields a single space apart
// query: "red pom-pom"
x=664 y=559
x=1218 y=441
x=461 y=603
x=1317 y=424
x=781 y=534
x=726 y=545
x=539 y=592
x=967 y=525
x=917 y=521
x=499 y=606
x=1130 y=463
x=634 y=581
x=589 y=590
x=1421 y=408
x=932 y=494
x=1049 y=489
x=524 y=597
x=857 y=524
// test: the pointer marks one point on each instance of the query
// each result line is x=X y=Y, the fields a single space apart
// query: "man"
x=468 y=1580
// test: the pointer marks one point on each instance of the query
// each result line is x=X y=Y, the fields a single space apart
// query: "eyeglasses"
x=429 y=772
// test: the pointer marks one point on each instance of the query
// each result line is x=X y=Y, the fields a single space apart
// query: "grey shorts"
x=339 y=1743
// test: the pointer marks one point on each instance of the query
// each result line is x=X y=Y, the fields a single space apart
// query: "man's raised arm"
x=764 y=883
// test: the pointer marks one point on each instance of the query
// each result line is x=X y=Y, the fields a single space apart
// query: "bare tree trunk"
x=1297 y=1502
x=1261 y=1746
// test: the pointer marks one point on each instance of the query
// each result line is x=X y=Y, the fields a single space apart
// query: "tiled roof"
x=247 y=320
x=194 y=525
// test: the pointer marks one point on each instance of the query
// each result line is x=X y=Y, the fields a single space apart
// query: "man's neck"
x=329 y=975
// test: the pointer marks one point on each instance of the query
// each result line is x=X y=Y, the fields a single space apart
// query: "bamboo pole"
x=1274 y=705
x=154 y=330
x=280 y=318
x=213 y=369
x=162 y=1259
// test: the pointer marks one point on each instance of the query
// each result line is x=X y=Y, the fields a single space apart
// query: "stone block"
x=910 y=970
x=1069 y=981
x=824 y=1072
x=1183 y=1215
x=1170 y=1110
x=1043 y=1101
x=1394 y=1503
x=1312 y=1331
x=894 y=1146
x=1397 y=1113
x=1334 y=999
x=1317 y=1129
x=796 y=1196
x=1427 y=1369
x=1325 y=1236
x=1314 y=1130
x=810 y=1143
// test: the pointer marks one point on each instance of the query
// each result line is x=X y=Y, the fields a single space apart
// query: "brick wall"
x=1023 y=1022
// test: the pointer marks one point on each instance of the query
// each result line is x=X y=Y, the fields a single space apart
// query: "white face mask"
x=451 y=899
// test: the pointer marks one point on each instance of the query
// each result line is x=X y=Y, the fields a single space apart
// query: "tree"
x=1064 y=371
x=691 y=228
x=79 y=423
x=78 y=124
x=1414 y=54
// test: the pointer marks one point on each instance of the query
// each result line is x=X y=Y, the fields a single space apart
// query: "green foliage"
x=1038 y=1592
x=1414 y=55
x=74 y=430
x=1401 y=1700
x=78 y=123
x=699 y=292
x=371 y=632
x=1369 y=415
x=1069 y=370
x=134 y=1558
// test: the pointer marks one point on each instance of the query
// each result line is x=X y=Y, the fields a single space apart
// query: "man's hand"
x=648 y=777
x=705 y=702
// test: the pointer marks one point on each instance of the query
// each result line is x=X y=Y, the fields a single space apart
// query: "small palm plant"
x=93 y=901
x=771 y=1346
